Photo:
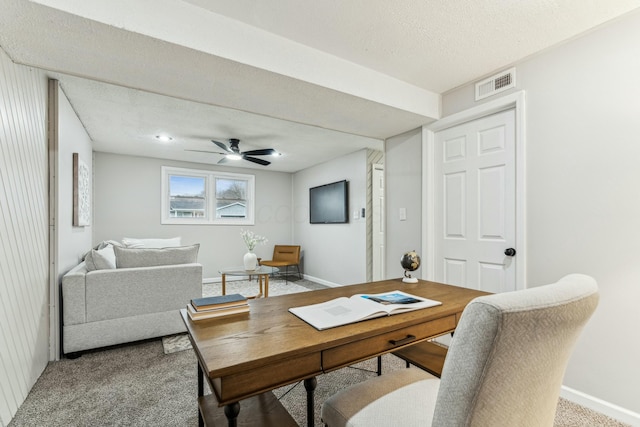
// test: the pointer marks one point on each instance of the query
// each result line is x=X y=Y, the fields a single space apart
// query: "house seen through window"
x=231 y=198
x=206 y=197
x=187 y=197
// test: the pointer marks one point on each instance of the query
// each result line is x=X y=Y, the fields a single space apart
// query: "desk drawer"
x=347 y=354
x=244 y=384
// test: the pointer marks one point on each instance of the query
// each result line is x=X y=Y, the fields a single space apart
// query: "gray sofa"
x=138 y=299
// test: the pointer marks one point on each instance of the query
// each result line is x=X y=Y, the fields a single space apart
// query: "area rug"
x=180 y=342
x=175 y=343
x=250 y=288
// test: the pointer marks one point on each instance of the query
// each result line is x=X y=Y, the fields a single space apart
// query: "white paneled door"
x=475 y=204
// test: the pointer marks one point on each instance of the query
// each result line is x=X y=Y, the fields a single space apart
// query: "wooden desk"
x=246 y=355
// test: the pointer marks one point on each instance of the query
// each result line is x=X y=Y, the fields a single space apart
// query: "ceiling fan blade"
x=222 y=146
x=223 y=160
x=256 y=160
x=204 y=151
x=263 y=152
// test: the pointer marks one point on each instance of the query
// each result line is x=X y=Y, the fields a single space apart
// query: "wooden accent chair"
x=504 y=367
x=284 y=256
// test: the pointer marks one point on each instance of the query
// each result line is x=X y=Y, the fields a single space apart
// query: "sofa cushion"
x=130 y=242
x=151 y=257
x=100 y=259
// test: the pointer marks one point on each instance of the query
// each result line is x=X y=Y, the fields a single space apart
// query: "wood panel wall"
x=24 y=294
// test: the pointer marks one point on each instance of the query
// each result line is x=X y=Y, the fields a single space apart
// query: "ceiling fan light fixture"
x=234 y=156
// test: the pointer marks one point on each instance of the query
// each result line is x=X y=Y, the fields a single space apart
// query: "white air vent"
x=496 y=84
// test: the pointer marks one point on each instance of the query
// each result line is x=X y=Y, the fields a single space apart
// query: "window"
x=192 y=196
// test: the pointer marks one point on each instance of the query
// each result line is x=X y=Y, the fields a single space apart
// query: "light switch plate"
x=403 y=214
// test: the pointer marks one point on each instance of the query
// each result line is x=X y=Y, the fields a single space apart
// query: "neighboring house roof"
x=181 y=203
x=235 y=209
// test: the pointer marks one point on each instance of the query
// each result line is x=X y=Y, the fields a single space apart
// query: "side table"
x=262 y=272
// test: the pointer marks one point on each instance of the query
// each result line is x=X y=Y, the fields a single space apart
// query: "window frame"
x=210 y=197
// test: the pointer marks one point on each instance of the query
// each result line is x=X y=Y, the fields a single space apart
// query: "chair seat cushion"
x=383 y=401
x=276 y=263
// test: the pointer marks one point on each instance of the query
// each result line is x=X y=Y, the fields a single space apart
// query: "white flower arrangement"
x=251 y=240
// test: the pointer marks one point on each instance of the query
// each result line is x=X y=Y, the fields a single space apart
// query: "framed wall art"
x=81 y=192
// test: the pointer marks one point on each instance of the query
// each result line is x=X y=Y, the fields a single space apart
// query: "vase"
x=250 y=261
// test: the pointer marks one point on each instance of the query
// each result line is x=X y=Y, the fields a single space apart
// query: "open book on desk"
x=342 y=311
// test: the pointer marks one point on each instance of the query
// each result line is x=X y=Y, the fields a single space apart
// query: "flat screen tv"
x=329 y=203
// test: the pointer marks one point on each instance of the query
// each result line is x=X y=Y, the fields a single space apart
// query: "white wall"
x=24 y=291
x=127 y=204
x=403 y=190
x=333 y=254
x=583 y=205
x=72 y=242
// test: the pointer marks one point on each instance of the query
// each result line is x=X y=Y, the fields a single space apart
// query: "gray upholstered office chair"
x=504 y=367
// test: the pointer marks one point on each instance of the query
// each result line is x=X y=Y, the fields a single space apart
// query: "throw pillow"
x=130 y=242
x=151 y=257
x=101 y=259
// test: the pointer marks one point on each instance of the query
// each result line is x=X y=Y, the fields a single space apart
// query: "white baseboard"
x=320 y=281
x=601 y=406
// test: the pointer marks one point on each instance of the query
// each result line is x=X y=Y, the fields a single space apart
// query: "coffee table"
x=262 y=272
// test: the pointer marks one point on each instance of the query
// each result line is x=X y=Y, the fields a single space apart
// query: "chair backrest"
x=509 y=353
x=286 y=253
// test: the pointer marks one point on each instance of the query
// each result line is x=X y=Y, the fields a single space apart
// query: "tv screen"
x=329 y=203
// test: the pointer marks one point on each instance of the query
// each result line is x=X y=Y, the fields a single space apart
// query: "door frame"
x=382 y=216
x=516 y=101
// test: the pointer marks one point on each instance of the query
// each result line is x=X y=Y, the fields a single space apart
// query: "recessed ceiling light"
x=276 y=154
x=164 y=138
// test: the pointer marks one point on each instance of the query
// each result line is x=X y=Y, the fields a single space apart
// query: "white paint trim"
x=53 y=164
x=321 y=281
x=428 y=204
x=515 y=100
x=601 y=406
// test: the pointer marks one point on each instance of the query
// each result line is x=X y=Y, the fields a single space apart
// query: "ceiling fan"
x=232 y=152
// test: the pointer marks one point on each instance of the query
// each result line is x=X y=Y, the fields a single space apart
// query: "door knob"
x=510 y=252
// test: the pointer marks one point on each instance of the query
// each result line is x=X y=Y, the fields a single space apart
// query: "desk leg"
x=260 y=284
x=266 y=285
x=224 y=284
x=231 y=411
x=200 y=393
x=310 y=385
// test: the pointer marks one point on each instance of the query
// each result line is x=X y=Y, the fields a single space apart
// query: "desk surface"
x=247 y=354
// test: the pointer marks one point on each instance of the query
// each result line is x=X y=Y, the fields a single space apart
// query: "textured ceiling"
x=312 y=79
x=433 y=44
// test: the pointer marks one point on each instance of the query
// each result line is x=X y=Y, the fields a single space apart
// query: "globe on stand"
x=410 y=261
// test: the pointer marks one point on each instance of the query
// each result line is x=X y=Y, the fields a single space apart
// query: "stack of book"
x=208 y=307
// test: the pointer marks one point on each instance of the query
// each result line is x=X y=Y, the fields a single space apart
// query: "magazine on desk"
x=342 y=311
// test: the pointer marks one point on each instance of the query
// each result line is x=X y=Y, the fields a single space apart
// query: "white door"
x=475 y=185
x=377 y=214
